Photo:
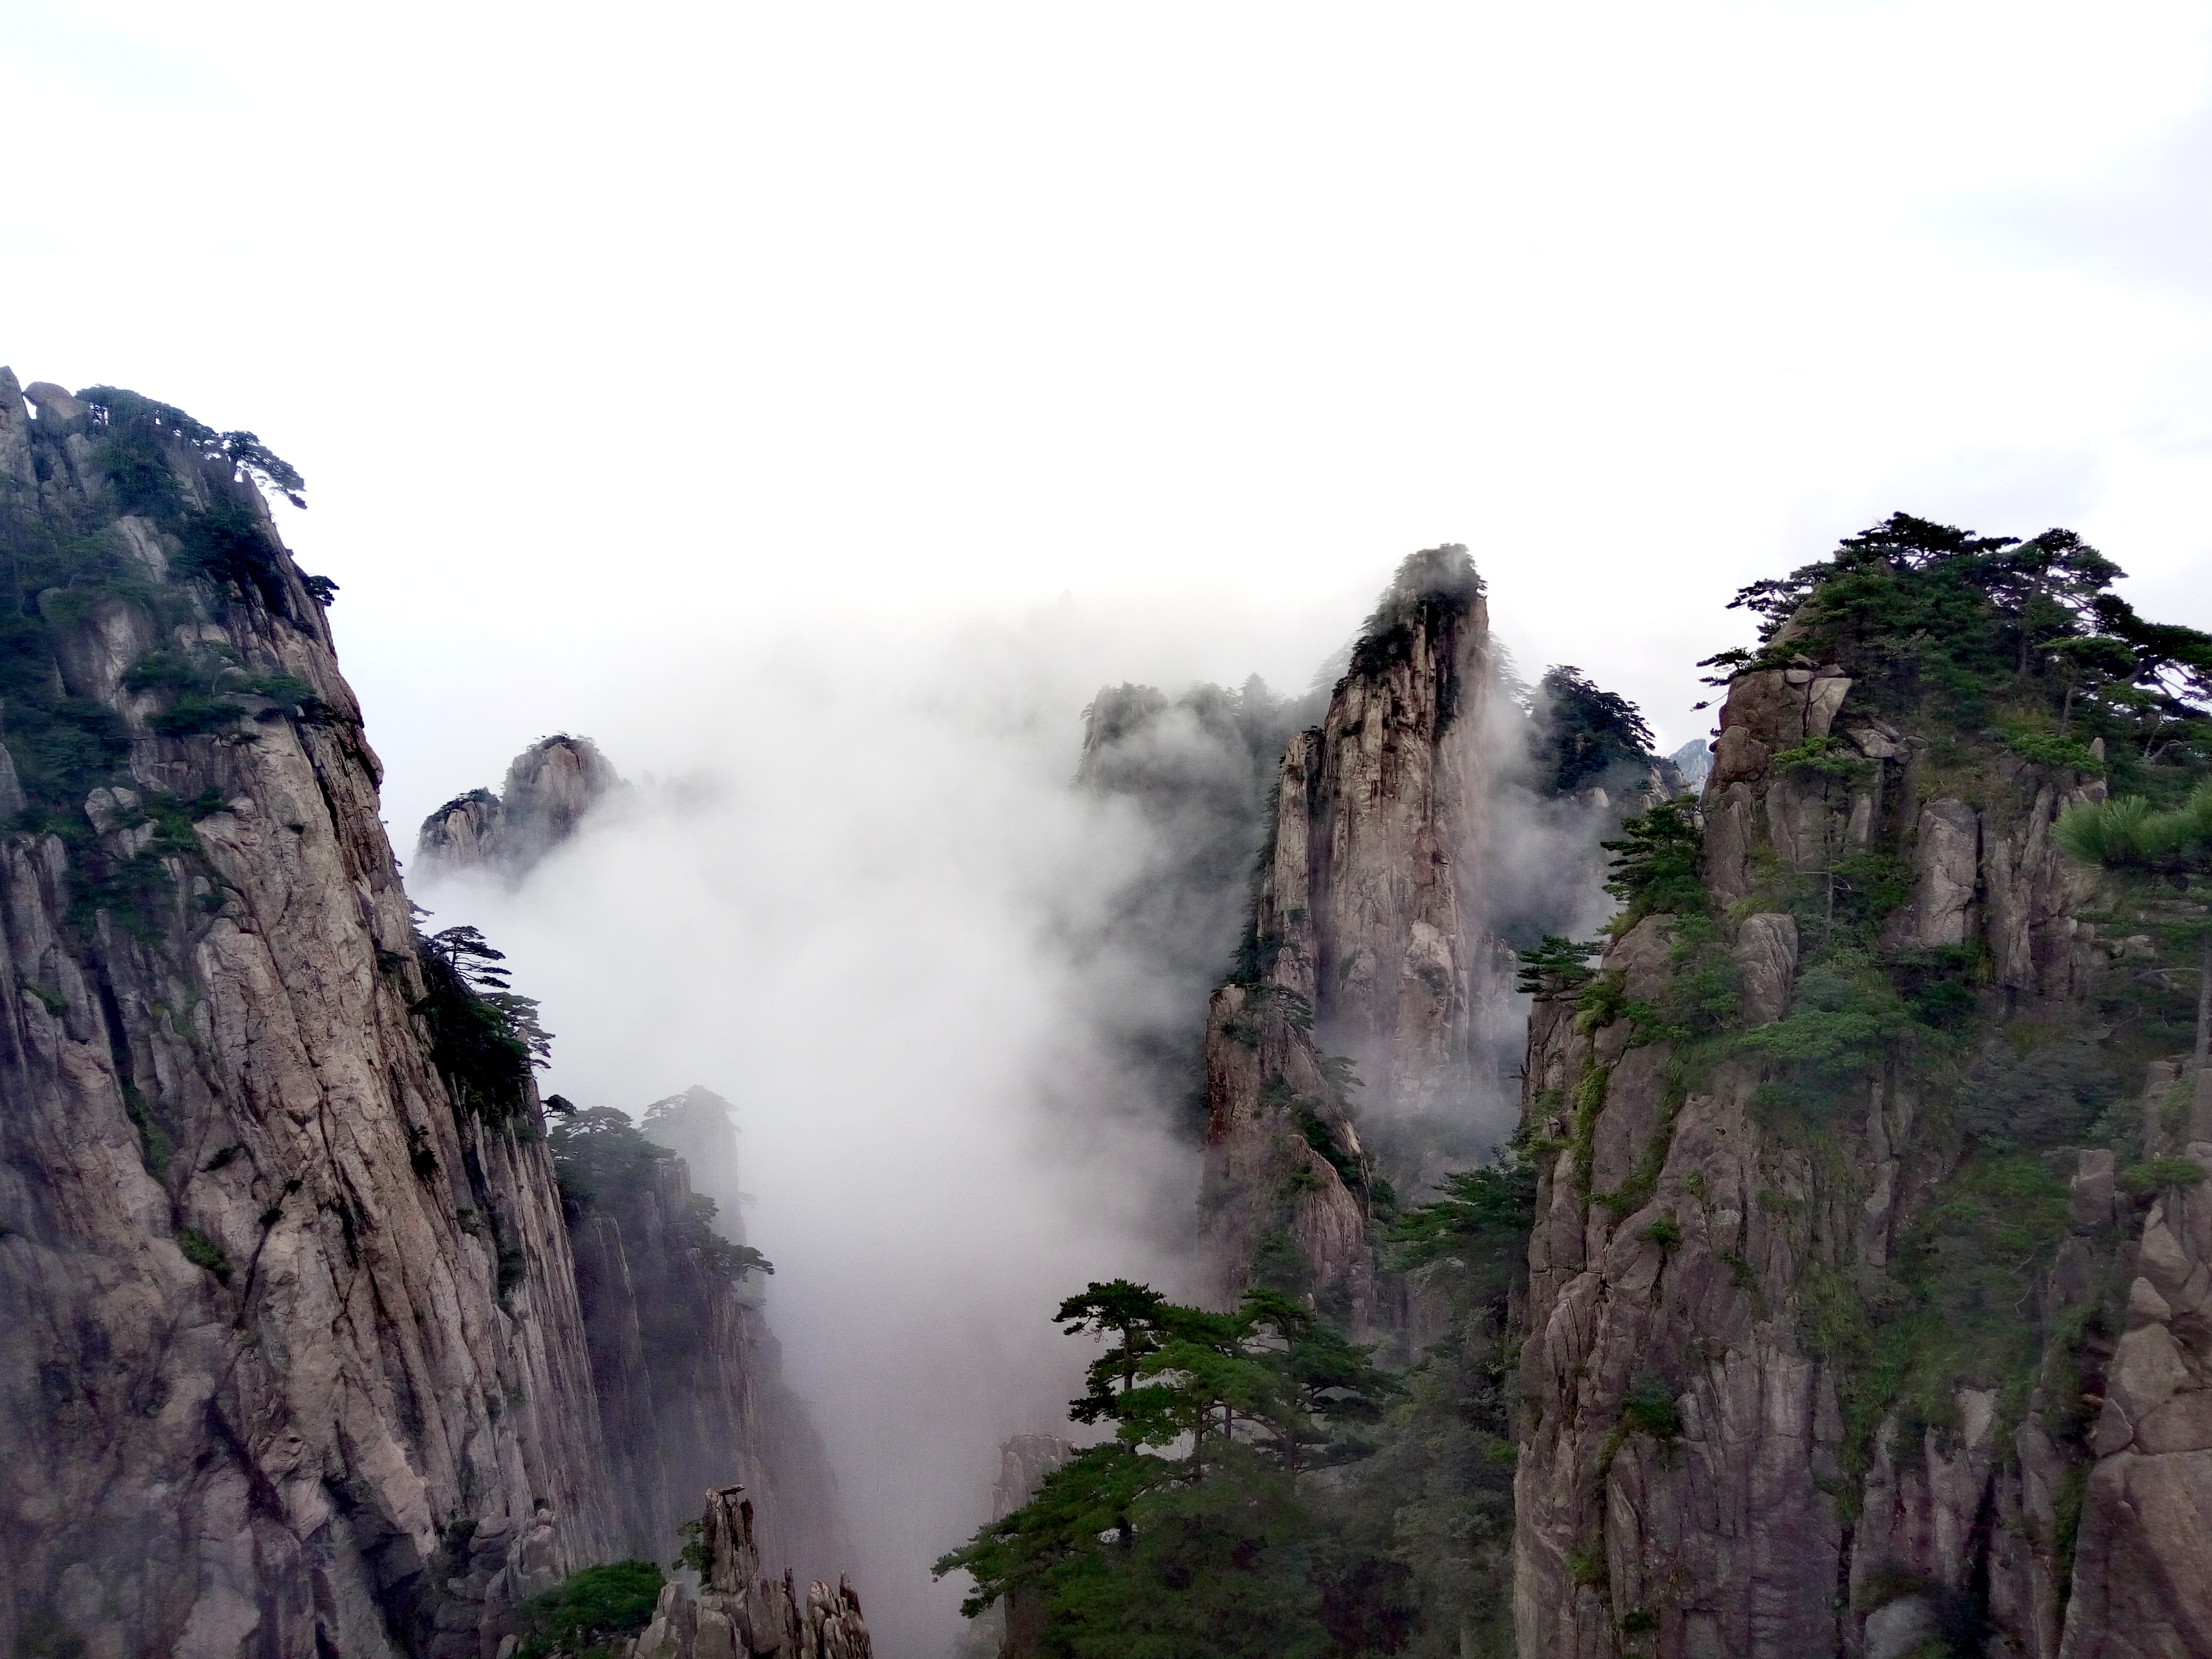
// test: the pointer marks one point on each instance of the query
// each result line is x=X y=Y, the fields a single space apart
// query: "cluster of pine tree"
x=1265 y=1488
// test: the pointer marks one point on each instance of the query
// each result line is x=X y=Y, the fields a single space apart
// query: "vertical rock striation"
x=1360 y=944
x=290 y=1354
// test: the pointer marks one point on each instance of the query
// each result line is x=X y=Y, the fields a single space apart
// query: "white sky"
x=610 y=337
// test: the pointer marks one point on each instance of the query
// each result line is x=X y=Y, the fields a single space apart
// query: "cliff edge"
x=289 y=1347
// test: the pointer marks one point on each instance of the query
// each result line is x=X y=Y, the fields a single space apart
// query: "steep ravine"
x=688 y=1370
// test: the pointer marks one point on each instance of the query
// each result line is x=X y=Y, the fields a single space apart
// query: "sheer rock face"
x=290 y=1353
x=689 y=1380
x=549 y=789
x=2142 y=1582
x=1728 y=1515
x=1359 y=942
x=741 y=1615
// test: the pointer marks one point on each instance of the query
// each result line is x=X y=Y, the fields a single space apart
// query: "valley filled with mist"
x=988 y=1157
x=991 y=832
x=942 y=920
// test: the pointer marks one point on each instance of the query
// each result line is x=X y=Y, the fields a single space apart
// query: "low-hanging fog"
x=954 y=997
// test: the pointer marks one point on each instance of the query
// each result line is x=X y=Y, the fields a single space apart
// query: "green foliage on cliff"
x=1655 y=864
x=589 y=1613
x=484 y=1039
x=2006 y=671
x=602 y=1161
x=1983 y=631
x=1555 y=965
x=1581 y=736
x=138 y=424
x=1469 y=1239
x=62 y=558
x=203 y=1252
x=1216 y=1549
x=1268 y=1490
x=1434 y=589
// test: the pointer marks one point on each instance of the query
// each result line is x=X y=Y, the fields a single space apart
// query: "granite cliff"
x=1361 y=950
x=292 y=1351
x=1864 y=1303
x=292 y=1355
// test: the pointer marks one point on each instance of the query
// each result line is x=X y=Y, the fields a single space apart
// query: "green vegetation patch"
x=589 y=1612
x=203 y=1252
x=1581 y=737
x=2157 y=1174
x=602 y=1161
x=1189 y=1531
x=1956 y=1309
x=1655 y=864
x=484 y=1039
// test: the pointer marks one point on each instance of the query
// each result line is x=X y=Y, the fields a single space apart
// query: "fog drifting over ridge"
x=868 y=914
x=877 y=912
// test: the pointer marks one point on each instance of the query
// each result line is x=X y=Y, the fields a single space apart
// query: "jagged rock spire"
x=1359 y=944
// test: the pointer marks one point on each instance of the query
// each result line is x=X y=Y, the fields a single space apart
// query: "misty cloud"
x=952 y=974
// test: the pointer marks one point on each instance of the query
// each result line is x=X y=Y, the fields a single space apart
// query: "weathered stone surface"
x=290 y=1354
x=1945 y=863
x=549 y=789
x=2143 y=1579
x=1361 y=926
x=16 y=424
x=55 y=403
x=2090 y=1195
x=1766 y=958
x=1747 y=1533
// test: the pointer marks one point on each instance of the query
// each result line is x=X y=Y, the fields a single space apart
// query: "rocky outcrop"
x=739 y=1613
x=1693 y=762
x=549 y=789
x=1714 y=1459
x=1359 y=946
x=291 y=1358
x=700 y=1127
